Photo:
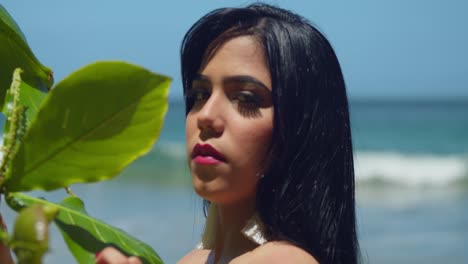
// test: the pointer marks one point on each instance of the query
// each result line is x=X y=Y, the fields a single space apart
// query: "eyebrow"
x=201 y=77
x=235 y=79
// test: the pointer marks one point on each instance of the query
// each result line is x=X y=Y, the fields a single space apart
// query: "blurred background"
x=405 y=65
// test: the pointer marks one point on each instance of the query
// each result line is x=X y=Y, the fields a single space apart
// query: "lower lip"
x=206 y=160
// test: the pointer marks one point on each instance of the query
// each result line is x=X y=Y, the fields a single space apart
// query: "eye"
x=196 y=97
x=248 y=97
x=248 y=103
x=200 y=94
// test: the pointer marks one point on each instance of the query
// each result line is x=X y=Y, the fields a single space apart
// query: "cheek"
x=254 y=142
x=188 y=125
x=252 y=147
x=263 y=141
x=261 y=134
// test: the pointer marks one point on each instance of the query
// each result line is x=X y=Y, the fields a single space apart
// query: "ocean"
x=411 y=165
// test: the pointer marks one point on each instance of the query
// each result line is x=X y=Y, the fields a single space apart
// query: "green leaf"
x=81 y=254
x=15 y=53
x=88 y=235
x=5 y=17
x=91 y=126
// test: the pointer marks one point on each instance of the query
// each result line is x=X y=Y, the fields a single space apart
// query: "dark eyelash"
x=249 y=106
x=249 y=112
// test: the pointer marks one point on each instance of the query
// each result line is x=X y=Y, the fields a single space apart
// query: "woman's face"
x=230 y=124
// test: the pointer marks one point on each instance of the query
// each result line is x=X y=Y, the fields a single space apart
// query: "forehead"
x=241 y=55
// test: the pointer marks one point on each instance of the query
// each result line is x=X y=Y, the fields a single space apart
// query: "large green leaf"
x=5 y=17
x=86 y=234
x=15 y=53
x=79 y=252
x=90 y=126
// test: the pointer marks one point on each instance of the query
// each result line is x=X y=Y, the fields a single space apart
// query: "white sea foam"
x=386 y=167
x=410 y=170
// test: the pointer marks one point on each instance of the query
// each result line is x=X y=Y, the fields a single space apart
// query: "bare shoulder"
x=196 y=256
x=277 y=252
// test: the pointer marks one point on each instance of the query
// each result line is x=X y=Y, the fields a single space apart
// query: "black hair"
x=306 y=196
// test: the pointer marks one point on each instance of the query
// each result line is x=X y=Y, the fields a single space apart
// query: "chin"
x=204 y=189
x=219 y=195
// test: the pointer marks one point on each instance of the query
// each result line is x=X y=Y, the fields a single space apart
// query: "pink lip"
x=206 y=160
x=206 y=154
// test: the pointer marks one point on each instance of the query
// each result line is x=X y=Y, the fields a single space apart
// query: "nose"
x=210 y=120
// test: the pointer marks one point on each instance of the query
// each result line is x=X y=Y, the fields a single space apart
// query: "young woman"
x=268 y=141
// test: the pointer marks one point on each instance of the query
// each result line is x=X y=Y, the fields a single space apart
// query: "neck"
x=230 y=242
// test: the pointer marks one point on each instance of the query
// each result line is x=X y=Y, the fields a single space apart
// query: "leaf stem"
x=69 y=191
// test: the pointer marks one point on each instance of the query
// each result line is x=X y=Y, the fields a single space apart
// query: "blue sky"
x=398 y=48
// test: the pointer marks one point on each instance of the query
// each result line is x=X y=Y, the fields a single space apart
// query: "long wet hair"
x=306 y=196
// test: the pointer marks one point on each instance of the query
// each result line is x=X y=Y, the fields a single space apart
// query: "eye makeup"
x=248 y=93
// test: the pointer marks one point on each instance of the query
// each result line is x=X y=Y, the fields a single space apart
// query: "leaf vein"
x=77 y=139
x=97 y=231
x=70 y=217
